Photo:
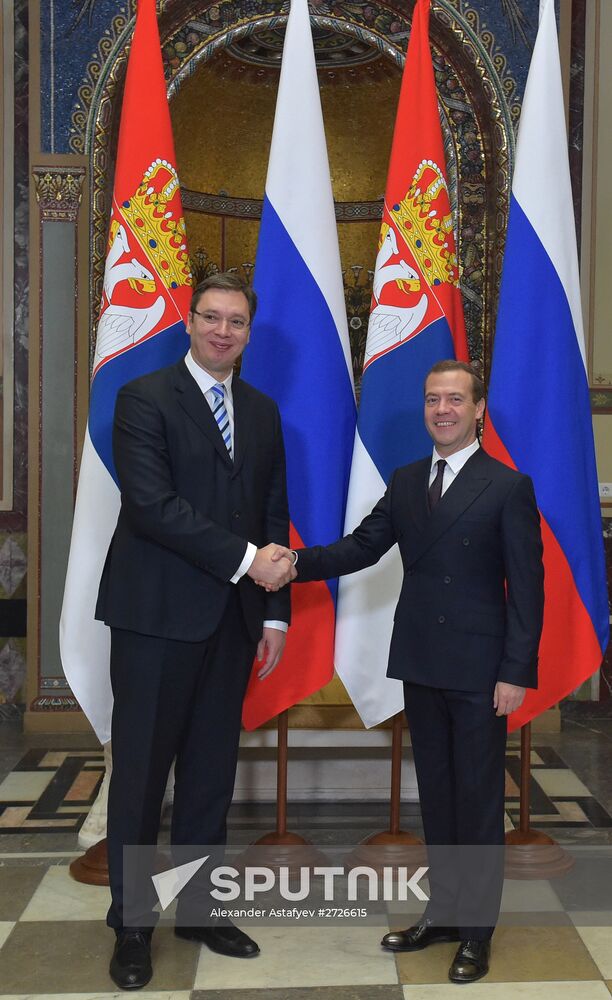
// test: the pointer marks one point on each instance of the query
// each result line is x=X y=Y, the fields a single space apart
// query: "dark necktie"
x=435 y=490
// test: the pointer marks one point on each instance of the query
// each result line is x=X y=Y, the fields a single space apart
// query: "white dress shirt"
x=454 y=464
x=205 y=383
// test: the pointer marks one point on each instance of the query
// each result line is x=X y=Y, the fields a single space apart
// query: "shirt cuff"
x=281 y=626
x=247 y=561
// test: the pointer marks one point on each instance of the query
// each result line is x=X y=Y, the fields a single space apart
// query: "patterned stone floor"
x=48 y=791
x=53 y=941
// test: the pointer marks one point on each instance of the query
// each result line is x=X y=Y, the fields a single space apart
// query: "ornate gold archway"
x=474 y=101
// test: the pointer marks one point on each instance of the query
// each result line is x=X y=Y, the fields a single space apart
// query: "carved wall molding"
x=59 y=191
x=251 y=208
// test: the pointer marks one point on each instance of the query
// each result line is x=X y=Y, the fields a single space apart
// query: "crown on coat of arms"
x=155 y=224
x=424 y=219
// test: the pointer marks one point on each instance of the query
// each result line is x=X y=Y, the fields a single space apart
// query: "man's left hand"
x=507 y=697
x=269 y=650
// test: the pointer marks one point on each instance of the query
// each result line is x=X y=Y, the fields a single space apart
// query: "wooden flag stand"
x=392 y=847
x=92 y=867
x=281 y=848
x=532 y=853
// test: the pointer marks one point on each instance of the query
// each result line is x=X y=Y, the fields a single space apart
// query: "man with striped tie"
x=201 y=467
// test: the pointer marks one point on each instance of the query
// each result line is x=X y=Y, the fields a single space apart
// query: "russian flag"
x=147 y=290
x=299 y=354
x=416 y=319
x=539 y=416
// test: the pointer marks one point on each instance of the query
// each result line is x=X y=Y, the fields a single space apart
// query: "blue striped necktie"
x=220 y=415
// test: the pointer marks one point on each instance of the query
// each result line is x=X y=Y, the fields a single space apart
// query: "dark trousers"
x=459 y=753
x=174 y=701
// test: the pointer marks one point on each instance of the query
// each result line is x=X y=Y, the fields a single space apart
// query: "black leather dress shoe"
x=471 y=962
x=418 y=937
x=226 y=939
x=130 y=967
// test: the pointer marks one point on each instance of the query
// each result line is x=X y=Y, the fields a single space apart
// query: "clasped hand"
x=272 y=567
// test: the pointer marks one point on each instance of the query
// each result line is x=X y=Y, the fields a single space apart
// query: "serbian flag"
x=147 y=290
x=539 y=415
x=299 y=354
x=416 y=319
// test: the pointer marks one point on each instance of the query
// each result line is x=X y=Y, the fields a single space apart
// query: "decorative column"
x=53 y=435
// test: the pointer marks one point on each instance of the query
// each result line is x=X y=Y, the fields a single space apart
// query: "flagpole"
x=393 y=847
x=396 y=774
x=532 y=853
x=281 y=848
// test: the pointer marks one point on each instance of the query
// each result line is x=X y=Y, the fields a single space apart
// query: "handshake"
x=272 y=567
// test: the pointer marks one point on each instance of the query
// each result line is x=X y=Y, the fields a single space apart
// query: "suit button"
x=236 y=514
x=441 y=620
x=465 y=541
x=447 y=579
x=409 y=572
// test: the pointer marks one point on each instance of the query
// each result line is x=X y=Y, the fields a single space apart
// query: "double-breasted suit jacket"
x=471 y=604
x=187 y=509
x=469 y=614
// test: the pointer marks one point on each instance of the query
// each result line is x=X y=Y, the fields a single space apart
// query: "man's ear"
x=480 y=408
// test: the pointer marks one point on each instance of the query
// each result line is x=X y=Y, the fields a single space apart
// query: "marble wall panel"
x=576 y=108
x=605 y=692
x=13 y=523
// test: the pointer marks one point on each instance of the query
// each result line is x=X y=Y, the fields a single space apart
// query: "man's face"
x=219 y=330
x=451 y=414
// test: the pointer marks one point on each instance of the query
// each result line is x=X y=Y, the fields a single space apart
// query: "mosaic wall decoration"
x=78 y=38
x=13 y=570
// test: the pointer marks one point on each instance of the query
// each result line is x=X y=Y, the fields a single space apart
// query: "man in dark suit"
x=465 y=643
x=201 y=467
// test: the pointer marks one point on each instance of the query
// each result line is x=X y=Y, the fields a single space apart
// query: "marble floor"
x=54 y=943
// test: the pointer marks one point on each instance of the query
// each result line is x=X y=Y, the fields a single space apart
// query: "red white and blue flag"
x=147 y=290
x=416 y=319
x=299 y=354
x=539 y=415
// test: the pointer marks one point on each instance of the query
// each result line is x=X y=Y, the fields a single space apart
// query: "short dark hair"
x=225 y=281
x=450 y=365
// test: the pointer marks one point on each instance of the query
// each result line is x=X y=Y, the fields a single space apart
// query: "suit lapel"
x=193 y=401
x=242 y=422
x=417 y=493
x=469 y=484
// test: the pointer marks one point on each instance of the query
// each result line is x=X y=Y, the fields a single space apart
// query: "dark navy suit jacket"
x=187 y=509
x=471 y=604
